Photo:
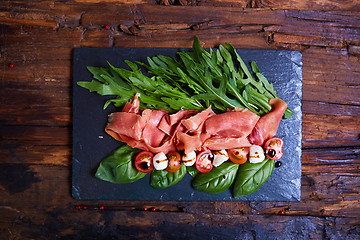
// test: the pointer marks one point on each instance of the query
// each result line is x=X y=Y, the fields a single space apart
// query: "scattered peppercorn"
x=278 y=164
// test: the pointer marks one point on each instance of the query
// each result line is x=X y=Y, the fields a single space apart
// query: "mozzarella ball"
x=220 y=157
x=256 y=154
x=160 y=161
x=189 y=159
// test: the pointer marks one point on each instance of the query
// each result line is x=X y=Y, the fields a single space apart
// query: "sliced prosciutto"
x=127 y=124
x=268 y=124
x=133 y=105
x=226 y=143
x=181 y=115
x=169 y=123
x=191 y=130
x=151 y=134
x=139 y=129
x=231 y=124
x=190 y=142
x=195 y=122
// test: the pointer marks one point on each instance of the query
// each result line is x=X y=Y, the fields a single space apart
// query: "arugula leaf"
x=95 y=86
x=202 y=76
x=270 y=93
x=192 y=84
x=269 y=86
x=196 y=80
x=124 y=84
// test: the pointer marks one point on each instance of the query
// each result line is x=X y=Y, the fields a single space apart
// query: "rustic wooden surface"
x=38 y=37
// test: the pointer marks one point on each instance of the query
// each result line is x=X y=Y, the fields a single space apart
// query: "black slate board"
x=91 y=144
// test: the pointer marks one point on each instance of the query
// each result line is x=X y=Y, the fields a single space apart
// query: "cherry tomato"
x=174 y=162
x=274 y=148
x=144 y=162
x=204 y=161
x=238 y=155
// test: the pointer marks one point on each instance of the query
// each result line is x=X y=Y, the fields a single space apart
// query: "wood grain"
x=38 y=38
x=319 y=191
x=44 y=208
x=319 y=5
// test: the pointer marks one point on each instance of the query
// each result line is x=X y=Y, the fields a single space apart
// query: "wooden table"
x=36 y=43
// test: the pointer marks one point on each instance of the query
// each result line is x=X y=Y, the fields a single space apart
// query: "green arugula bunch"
x=193 y=80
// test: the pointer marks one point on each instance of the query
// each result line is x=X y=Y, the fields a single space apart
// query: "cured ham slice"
x=231 y=124
x=133 y=105
x=226 y=143
x=134 y=143
x=124 y=123
x=188 y=142
x=217 y=131
x=166 y=147
x=169 y=122
x=151 y=134
x=193 y=123
x=268 y=124
x=189 y=130
x=180 y=115
x=119 y=122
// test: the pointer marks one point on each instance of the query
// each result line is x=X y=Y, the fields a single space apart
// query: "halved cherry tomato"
x=274 y=148
x=174 y=162
x=204 y=161
x=144 y=162
x=238 y=155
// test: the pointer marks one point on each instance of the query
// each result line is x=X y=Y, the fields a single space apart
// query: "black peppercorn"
x=278 y=164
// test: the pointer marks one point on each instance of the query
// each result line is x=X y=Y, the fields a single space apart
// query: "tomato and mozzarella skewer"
x=205 y=160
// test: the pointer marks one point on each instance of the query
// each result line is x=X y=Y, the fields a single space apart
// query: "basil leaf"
x=217 y=180
x=118 y=167
x=192 y=170
x=164 y=179
x=251 y=176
